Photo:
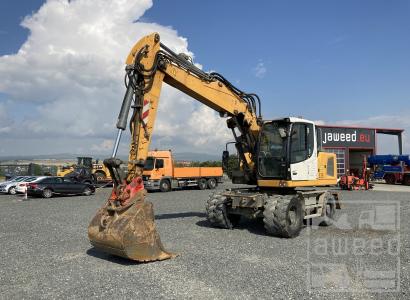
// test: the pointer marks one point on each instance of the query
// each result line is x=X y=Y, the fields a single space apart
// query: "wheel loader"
x=97 y=172
x=281 y=159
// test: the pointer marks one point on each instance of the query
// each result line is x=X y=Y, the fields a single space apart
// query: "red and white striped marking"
x=145 y=111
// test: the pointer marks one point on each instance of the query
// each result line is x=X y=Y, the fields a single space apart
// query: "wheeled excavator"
x=280 y=159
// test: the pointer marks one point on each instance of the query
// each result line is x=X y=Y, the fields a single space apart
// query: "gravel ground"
x=45 y=252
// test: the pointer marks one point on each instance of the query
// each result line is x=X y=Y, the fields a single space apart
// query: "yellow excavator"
x=281 y=159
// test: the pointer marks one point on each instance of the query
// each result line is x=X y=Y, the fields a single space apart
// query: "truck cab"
x=160 y=173
x=158 y=166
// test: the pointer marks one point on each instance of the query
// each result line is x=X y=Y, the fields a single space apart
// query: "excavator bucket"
x=128 y=230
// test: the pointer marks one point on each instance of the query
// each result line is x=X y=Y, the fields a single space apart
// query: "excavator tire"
x=283 y=215
x=330 y=210
x=217 y=215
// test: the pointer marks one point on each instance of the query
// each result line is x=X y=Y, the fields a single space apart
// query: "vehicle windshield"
x=15 y=178
x=30 y=179
x=149 y=163
x=272 y=149
x=21 y=179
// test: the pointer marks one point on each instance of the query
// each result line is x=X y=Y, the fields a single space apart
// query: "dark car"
x=49 y=186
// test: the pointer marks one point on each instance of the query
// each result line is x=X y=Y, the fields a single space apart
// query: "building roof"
x=393 y=131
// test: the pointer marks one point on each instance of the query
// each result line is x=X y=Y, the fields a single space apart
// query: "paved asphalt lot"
x=45 y=253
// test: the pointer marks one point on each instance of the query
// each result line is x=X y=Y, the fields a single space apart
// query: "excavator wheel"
x=217 y=215
x=283 y=215
x=330 y=210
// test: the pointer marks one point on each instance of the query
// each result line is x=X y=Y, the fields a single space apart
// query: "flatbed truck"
x=160 y=173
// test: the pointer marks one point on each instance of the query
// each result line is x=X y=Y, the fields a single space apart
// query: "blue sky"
x=335 y=61
x=350 y=59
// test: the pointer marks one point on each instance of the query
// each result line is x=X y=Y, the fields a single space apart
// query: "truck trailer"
x=161 y=174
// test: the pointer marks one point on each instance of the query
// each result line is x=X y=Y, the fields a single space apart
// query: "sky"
x=335 y=62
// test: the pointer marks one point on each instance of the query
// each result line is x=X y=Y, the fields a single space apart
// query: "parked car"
x=21 y=186
x=10 y=185
x=49 y=186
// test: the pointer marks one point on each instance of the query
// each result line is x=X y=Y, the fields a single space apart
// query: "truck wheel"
x=330 y=210
x=202 y=184
x=165 y=185
x=283 y=215
x=211 y=183
x=217 y=215
x=406 y=180
x=390 y=178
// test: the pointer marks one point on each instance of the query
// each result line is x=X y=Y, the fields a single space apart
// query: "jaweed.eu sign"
x=347 y=137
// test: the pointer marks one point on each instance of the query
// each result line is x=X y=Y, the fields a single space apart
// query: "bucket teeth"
x=128 y=231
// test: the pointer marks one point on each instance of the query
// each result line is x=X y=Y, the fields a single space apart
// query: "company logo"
x=345 y=137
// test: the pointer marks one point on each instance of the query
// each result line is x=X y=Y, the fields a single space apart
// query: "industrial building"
x=350 y=144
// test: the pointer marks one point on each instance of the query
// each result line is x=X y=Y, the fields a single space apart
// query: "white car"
x=21 y=186
x=10 y=185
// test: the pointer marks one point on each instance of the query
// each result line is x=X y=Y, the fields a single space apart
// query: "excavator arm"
x=125 y=226
x=149 y=64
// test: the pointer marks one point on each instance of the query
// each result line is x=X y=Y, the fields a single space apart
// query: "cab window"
x=58 y=180
x=159 y=163
x=301 y=143
x=149 y=163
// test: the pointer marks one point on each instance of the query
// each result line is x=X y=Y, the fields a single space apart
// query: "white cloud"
x=260 y=70
x=71 y=68
x=5 y=121
x=104 y=146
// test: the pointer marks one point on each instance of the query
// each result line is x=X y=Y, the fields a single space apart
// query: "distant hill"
x=188 y=156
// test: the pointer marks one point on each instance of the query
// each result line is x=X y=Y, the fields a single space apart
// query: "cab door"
x=159 y=169
x=58 y=185
x=72 y=186
x=303 y=152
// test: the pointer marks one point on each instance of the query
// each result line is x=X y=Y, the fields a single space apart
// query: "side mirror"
x=225 y=160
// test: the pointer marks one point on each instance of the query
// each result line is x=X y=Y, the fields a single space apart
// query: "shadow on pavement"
x=180 y=215
x=115 y=259
x=253 y=226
